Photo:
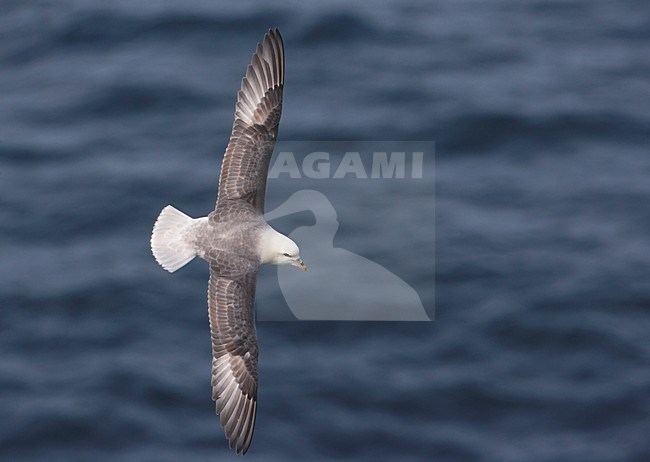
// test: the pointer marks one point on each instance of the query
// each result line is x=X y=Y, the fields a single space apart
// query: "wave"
x=484 y=132
x=101 y=30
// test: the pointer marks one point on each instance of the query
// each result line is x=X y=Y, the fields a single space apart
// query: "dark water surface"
x=540 y=112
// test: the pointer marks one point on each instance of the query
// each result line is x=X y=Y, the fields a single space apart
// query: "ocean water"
x=539 y=277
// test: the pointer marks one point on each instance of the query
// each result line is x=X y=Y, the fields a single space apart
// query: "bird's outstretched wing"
x=257 y=115
x=234 y=355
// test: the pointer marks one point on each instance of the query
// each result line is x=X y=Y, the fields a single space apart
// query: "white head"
x=278 y=249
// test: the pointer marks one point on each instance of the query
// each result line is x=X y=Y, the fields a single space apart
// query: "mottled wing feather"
x=257 y=115
x=234 y=355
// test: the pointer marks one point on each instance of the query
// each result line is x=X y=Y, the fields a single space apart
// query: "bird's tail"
x=169 y=240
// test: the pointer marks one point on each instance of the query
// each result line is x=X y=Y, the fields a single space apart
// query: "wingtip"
x=274 y=31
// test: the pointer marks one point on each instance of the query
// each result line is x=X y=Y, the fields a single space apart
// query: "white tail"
x=169 y=239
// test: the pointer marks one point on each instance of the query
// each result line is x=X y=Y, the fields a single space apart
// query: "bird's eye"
x=286 y=254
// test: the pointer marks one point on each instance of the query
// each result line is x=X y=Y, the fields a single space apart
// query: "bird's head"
x=278 y=249
x=288 y=253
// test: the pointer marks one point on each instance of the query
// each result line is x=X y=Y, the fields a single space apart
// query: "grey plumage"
x=257 y=115
x=235 y=240
x=239 y=212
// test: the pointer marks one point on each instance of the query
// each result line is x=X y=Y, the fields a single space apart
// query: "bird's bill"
x=300 y=265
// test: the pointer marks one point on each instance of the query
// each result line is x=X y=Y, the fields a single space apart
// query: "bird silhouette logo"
x=340 y=285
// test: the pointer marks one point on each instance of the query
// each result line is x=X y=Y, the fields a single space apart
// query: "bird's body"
x=241 y=238
x=235 y=240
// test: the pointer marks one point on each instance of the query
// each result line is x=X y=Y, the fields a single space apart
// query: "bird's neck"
x=268 y=245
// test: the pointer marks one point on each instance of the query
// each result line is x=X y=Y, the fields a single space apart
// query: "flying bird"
x=235 y=240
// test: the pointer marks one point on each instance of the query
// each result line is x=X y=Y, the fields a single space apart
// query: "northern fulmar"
x=235 y=240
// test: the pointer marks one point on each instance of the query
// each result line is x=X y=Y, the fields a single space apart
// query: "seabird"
x=235 y=240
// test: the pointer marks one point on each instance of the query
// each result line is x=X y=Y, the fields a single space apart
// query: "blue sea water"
x=540 y=112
